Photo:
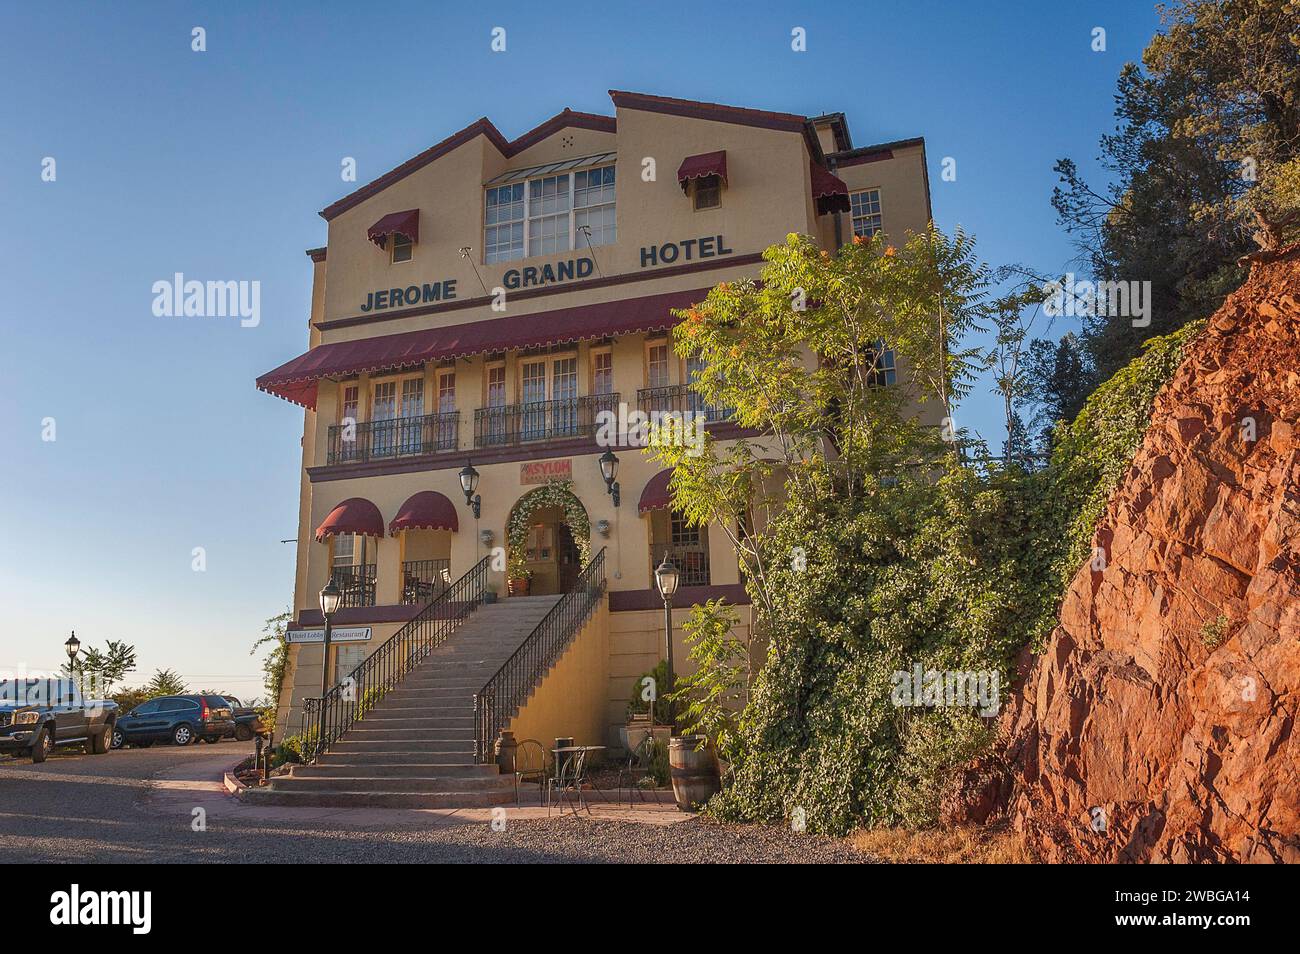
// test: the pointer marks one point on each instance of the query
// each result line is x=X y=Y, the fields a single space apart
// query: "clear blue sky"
x=214 y=164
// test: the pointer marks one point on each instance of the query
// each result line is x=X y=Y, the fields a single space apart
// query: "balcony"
x=692 y=560
x=398 y=437
x=513 y=424
x=679 y=399
x=423 y=580
x=357 y=583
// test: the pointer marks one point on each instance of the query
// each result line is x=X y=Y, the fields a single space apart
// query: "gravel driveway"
x=140 y=805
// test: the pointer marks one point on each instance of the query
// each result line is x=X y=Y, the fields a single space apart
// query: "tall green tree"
x=1207 y=132
x=164 y=682
x=98 y=670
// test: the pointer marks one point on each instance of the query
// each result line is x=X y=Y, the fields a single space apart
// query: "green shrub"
x=636 y=705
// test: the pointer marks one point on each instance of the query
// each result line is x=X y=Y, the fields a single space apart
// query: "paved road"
x=146 y=805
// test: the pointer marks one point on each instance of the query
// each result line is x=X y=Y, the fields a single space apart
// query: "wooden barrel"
x=694 y=771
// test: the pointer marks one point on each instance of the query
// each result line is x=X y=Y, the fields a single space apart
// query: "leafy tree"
x=1208 y=132
x=1059 y=378
x=97 y=670
x=275 y=631
x=164 y=682
x=709 y=700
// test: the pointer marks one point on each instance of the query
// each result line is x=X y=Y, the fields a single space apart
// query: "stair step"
x=356 y=768
x=428 y=785
x=439 y=747
x=377 y=721
x=271 y=796
x=395 y=757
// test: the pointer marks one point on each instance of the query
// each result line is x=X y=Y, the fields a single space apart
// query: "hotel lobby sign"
x=680 y=251
x=545 y=471
x=357 y=634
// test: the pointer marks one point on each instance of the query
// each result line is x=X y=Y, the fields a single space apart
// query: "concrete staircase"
x=415 y=749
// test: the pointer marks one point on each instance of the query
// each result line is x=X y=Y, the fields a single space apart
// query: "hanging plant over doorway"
x=558 y=493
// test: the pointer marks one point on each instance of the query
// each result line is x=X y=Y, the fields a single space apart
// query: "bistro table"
x=570 y=772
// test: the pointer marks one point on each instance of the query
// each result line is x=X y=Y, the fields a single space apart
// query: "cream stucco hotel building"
x=592 y=252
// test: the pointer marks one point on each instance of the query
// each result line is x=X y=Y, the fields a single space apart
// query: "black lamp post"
x=73 y=646
x=668 y=578
x=609 y=470
x=330 y=597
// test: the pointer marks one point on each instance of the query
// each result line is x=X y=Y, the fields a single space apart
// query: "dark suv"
x=178 y=719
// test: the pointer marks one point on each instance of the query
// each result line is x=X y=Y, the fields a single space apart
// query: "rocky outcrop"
x=1159 y=723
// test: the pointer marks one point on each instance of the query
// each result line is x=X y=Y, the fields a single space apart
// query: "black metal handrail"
x=383 y=669
x=356 y=582
x=424 y=580
x=541 y=420
x=497 y=702
x=691 y=560
x=680 y=399
x=395 y=437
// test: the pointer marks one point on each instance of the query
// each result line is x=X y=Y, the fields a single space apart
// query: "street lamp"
x=668 y=578
x=469 y=484
x=609 y=470
x=73 y=646
x=330 y=598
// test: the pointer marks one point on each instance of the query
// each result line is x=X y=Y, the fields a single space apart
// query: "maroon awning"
x=426 y=510
x=829 y=190
x=296 y=380
x=354 y=515
x=405 y=224
x=705 y=164
x=656 y=495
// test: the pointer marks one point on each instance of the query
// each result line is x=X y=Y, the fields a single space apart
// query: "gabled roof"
x=480 y=127
x=568 y=118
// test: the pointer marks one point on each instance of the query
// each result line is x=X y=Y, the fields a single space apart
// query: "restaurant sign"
x=545 y=471
x=357 y=634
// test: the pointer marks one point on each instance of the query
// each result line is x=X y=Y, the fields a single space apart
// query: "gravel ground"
x=78 y=808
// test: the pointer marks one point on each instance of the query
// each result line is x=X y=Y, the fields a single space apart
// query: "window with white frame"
x=549 y=214
x=864 y=207
x=401 y=248
x=602 y=371
x=503 y=236
x=657 y=366
x=593 y=206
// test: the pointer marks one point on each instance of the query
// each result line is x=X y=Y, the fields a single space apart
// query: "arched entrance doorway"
x=548 y=539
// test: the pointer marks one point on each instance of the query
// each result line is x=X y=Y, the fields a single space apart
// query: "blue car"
x=176 y=719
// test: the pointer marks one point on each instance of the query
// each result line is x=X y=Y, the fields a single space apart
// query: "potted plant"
x=490 y=593
x=521 y=582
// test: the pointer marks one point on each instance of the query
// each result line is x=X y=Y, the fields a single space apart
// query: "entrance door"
x=570 y=559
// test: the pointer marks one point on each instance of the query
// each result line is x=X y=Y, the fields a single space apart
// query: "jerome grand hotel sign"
x=572 y=269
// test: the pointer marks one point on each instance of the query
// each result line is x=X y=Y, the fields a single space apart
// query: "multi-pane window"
x=593 y=206
x=708 y=192
x=410 y=429
x=564 y=392
x=447 y=406
x=548 y=215
x=401 y=246
x=383 y=411
x=348 y=411
x=881 y=371
x=496 y=397
x=602 y=372
x=349 y=550
x=865 y=209
x=532 y=380
x=657 y=366
x=503 y=236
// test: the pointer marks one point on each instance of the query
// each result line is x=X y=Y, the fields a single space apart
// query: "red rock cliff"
x=1159 y=724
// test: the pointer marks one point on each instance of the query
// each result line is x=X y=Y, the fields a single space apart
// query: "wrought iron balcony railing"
x=357 y=583
x=541 y=420
x=679 y=399
x=397 y=437
x=691 y=561
x=424 y=580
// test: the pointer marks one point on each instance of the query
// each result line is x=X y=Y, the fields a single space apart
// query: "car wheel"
x=243 y=733
x=42 y=746
x=98 y=743
x=182 y=734
x=117 y=740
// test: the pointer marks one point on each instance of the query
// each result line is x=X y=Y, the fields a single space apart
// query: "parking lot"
x=167 y=804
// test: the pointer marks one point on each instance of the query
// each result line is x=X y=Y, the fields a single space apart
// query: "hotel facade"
x=485 y=302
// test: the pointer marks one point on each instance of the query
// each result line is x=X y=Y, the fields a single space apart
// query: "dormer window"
x=702 y=177
x=395 y=233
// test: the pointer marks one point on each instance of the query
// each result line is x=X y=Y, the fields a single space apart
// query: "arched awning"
x=656 y=495
x=354 y=515
x=427 y=510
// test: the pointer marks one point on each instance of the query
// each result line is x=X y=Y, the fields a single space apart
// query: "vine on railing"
x=497 y=702
x=384 y=668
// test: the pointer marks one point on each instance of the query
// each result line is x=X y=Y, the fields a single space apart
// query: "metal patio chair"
x=569 y=777
x=636 y=768
x=530 y=766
